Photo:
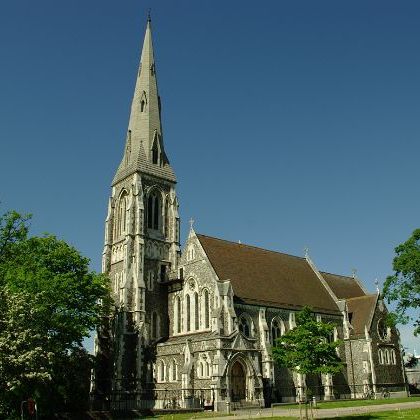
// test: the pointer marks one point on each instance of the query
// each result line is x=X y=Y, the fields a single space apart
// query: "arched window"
x=196 y=312
x=161 y=371
x=188 y=310
x=383 y=330
x=244 y=327
x=207 y=369
x=167 y=217
x=154 y=210
x=206 y=309
x=386 y=351
x=174 y=375
x=381 y=357
x=120 y=221
x=393 y=358
x=276 y=331
x=201 y=369
x=178 y=314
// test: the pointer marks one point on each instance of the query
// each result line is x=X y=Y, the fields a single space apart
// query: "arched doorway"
x=238 y=381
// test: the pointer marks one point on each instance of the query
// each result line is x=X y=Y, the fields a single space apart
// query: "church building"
x=194 y=328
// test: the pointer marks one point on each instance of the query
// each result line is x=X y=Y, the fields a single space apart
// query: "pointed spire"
x=144 y=149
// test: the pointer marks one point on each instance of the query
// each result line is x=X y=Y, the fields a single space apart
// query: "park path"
x=322 y=413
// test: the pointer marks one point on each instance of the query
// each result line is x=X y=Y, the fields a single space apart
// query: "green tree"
x=403 y=287
x=49 y=302
x=308 y=348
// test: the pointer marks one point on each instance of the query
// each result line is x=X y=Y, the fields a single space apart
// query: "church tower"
x=141 y=240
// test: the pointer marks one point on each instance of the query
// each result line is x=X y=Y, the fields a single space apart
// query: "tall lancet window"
x=206 y=309
x=196 y=312
x=154 y=210
x=178 y=314
x=121 y=215
x=188 y=311
x=167 y=217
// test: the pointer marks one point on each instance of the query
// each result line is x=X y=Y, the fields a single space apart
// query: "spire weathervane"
x=149 y=18
x=191 y=223
x=306 y=250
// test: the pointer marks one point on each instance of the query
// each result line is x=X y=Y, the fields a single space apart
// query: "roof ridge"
x=338 y=275
x=364 y=296
x=251 y=246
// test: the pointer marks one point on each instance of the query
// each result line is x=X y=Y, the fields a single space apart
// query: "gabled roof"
x=344 y=287
x=269 y=278
x=361 y=310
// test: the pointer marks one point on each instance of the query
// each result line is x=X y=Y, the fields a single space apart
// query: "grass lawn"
x=395 y=414
x=355 y=403
x=188 y=416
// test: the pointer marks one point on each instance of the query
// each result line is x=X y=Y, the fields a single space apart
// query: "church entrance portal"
x=238 y=381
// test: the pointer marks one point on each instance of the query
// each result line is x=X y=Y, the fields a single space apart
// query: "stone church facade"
x=195 y=328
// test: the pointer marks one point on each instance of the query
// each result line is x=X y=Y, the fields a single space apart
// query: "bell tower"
x=141 y=239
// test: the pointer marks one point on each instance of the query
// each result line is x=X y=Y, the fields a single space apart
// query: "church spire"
x=144 y=150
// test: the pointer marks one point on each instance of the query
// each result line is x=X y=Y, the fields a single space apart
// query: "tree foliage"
x=308 y=348
x=403 y=287
x=49 y=302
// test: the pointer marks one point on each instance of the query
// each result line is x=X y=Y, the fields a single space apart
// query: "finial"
x=306 y=250
x=377 y=285
x=149 y=19
x=191 y=223
x=354 y=272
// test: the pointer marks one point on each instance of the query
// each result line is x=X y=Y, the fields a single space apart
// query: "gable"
x=344 y=287
x=268 y=278
x=361 y=310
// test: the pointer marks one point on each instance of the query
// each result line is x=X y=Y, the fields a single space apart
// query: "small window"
x=244 y=327
x=393 y=358
x=142 y=105
x=275 y=331
x=383 y=330
x=350 y=316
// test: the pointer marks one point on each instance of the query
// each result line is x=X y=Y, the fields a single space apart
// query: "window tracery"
x=244 y=326
x=154 y=203
x=277 y=330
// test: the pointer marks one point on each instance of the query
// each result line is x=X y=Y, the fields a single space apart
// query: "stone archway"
x=238 y=382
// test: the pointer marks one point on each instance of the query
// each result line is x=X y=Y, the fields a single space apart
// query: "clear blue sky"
x=289 y=124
